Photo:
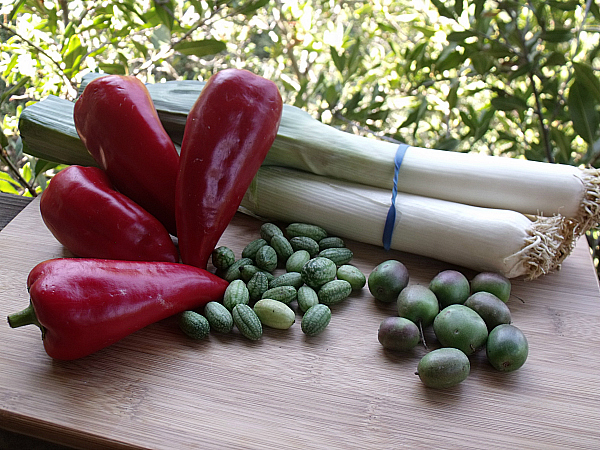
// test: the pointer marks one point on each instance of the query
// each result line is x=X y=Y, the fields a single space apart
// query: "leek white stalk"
x=481 y=239
x=528 y=187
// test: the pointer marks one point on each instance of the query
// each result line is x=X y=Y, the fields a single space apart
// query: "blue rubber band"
x=390 y=221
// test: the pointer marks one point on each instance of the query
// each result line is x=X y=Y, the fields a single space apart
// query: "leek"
x=528 y=187
x=481 y=239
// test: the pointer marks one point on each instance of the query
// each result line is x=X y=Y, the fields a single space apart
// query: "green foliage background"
x=510 y=78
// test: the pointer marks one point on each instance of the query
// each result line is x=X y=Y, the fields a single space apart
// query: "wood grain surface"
x=158 y=389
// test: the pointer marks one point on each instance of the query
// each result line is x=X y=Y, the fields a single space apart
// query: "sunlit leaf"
x=113 y=68
x=200 y=48
x=11 y=16
x=9 y=186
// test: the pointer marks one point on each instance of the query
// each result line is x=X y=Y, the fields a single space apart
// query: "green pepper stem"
x=24 y=317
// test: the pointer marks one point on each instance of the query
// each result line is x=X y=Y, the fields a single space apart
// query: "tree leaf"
x=452 y=98
x=338 y=60
x=7 y=93
x=200 y=48
x=482 y=62
x=3 y=139
x=355 y=58
x=460 y=36
x=112 y=68
x=563 y=143
x=15 y=10
x=555 y=59
x=442 y=9
x=251 y=7
x=449 y=144
x=557 y=35
x=582 y=109
x=584 y=74
x=165 y=9
x=508 y=102
x=351 y=104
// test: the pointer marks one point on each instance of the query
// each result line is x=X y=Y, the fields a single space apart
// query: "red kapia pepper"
x=84 y=305
x=91 y=219
x=118 y=124
x=228 y=133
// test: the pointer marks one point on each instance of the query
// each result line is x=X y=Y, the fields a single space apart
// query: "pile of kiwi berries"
x=466 y=316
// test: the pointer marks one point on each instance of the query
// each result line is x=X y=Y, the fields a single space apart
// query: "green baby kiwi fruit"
x=507 y=348
x=492 y=310
x=450 y=287
x=387 y=280
x=398 y=333
x=418 y=304
x=460 y=327
x=443 y=368
x=493 y=283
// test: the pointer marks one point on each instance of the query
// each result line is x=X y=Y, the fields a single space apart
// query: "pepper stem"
x=25 y=317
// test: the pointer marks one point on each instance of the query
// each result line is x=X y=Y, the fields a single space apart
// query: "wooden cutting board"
x=158 y=389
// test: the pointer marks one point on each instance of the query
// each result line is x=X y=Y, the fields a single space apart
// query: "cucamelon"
x=250 y=250
x=268 y=230
x=287 y=279
x=297 y=261
x=248 y=271
x=305 y=243
x=233 y=271
x=246 y=320
x=194 y=325
x=218 y=317
x=318 y=271
x=282 y=247
x=235 y=294
x=266 y=258
x=257 y=285
x=352 y=275
x=316 y=319
x=307 y=297
x=333 y=292
x=222 y=257
x=284 y=294
x=304 y=229
x=331 y=242
x=339 y=256
x=274 y=314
